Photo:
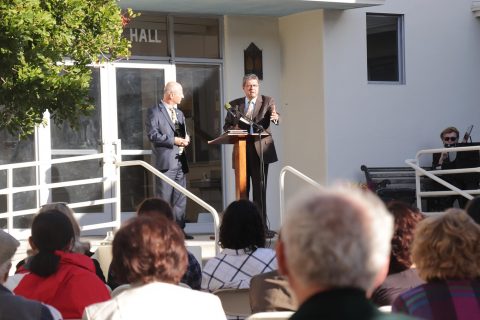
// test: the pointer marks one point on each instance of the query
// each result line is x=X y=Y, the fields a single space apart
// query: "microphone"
x=228 y=107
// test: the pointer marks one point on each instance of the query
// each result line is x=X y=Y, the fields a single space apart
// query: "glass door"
x=138 y=87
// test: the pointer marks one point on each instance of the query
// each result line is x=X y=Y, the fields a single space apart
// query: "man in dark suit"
x=259 y=110
x=166 y=130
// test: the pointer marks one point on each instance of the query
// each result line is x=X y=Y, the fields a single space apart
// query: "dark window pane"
x=196 y=37
x=382 y=47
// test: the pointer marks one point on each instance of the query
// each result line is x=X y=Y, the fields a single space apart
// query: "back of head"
x=155 y=207
x=78 y=246
x=337 y=237
x=8 y=246
x=446 y=247
x=406 y=219
x=51 y=231
x=473 y=209
x=242 y=226
x=149 y=249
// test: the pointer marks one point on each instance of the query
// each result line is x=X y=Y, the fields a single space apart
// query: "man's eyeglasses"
x=450 y=138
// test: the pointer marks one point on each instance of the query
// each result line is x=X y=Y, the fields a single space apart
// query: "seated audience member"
x=402 y=275
x=150 y=254
x=242 y=237
x=445 y=251
x=14 y=307
x=334 y=247
x=156 y=207
x=445 y=161
x=473 y=209
x=55 y=275
x=270 y=291
x=78 y=247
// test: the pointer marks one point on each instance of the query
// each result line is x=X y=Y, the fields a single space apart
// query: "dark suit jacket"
x=161 y=133
x=261 y=116
x=342 y=304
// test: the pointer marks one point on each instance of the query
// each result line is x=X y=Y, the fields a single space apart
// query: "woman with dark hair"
x=78 y=246
x=156 y=207
x=149 y=253
x=242 y=237
x=401 y=274
x=55 y=275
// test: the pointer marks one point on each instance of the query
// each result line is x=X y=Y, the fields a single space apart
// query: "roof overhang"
x=276 y=8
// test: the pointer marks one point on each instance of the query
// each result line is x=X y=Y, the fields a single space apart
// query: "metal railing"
x=113 y=157
x=434 y=175
x=300 y=175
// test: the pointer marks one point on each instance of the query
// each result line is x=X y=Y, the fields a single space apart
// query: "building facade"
x=362 y=82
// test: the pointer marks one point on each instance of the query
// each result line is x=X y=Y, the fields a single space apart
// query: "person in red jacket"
x=55 y=275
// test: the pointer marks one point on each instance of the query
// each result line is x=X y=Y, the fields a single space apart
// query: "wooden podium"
x=239 y=139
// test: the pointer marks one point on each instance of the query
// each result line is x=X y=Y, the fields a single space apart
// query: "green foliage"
x=45 y=49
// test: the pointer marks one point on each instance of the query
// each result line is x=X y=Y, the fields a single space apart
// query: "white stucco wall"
x=240 y=31
x=381 y=124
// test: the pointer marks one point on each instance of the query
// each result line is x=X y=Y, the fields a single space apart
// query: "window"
x=385 y=48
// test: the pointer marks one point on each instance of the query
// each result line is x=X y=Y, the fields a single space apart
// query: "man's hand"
x=274 y=115
x=182 y=142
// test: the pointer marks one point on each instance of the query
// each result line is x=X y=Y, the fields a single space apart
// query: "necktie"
x=249 y=113
x=173 y=114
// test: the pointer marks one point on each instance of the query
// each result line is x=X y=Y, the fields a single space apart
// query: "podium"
x=239 y=139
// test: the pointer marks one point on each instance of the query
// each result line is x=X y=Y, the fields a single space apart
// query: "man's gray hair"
x=250 y=76
x=8 y=246
x=337 y=237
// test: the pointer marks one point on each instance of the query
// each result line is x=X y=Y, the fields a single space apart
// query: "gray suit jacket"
x=18 y=308
x=161 y=133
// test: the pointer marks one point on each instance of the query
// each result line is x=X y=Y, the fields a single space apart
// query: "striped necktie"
x=249 y=112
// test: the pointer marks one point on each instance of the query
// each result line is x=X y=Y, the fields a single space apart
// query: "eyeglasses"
x=450 y=138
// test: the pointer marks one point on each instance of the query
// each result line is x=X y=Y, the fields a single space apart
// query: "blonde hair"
x=446 y=247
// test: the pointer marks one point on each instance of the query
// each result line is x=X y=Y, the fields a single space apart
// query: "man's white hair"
x=8 y=246
x=337 y=237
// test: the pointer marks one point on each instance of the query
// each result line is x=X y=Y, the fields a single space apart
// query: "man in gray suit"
x=166 y=130
x=261 y=111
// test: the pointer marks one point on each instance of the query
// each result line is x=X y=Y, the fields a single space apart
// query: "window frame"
x=400 y=47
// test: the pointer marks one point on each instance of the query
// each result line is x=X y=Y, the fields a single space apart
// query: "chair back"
x=272 y=315
x=235 y=302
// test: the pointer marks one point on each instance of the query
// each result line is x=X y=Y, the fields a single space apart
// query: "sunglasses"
x=450 y=138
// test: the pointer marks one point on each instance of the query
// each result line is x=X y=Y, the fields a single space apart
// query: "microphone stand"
x=237 y=114
x=259 y=129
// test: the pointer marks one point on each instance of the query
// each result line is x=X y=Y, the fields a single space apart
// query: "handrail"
x=112 y=156
x=10 y=190
x=183 y=190
x=432 y=174
x=282 y=185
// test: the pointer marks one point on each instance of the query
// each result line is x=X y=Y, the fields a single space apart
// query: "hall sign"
x=144 y=35
x=147 y=38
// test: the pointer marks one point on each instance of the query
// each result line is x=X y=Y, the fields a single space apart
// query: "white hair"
x=4 y=269
x=337 y=237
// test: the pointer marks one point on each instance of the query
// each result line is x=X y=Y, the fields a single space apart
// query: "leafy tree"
x=45 y=49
